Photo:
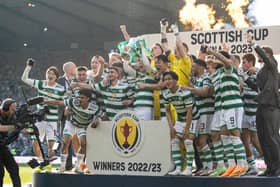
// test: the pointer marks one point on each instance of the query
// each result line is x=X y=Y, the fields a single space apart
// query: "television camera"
x=25 y=118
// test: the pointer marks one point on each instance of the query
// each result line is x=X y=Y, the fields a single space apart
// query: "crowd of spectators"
x=13 y=63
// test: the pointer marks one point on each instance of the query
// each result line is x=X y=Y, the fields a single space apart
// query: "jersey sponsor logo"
x=126 y=133
x=49 y=94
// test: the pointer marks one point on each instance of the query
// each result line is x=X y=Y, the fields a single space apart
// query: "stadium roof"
x=54 y=24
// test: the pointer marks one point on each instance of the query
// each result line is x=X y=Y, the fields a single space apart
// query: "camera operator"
x=7 y=118
x=48 y=88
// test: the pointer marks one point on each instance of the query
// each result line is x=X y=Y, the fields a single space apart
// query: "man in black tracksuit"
x=268 y=112
x=7 y=160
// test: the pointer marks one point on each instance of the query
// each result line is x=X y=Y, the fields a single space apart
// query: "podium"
x=75 y=180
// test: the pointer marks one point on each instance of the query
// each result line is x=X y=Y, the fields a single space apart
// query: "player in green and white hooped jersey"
x=117 y=95
x=49 y=89
x=206 y=91
x=183 y=128
x=81 y=80
x=144 y=101
x=249 y=130
x=83 y=112
x=205 y=105
x=81 y=77
x=161 y=65
x=228 y=115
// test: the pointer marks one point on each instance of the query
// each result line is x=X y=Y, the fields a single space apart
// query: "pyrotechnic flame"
x=235 y=9
x=219 y=24
x=200 y=16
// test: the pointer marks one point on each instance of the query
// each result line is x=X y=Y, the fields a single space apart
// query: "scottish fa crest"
x=126 y=133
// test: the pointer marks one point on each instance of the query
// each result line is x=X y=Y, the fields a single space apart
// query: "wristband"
x=255 y=46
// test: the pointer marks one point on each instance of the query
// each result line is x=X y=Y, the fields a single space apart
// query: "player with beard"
x=117 y=95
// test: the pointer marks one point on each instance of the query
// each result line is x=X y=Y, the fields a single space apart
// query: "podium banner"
x=128 y=146
x=234 y=38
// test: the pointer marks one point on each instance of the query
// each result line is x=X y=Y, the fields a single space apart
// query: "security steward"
x=7 y=119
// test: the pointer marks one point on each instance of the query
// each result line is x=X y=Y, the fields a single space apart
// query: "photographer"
x=48 y=88
x=7 y=118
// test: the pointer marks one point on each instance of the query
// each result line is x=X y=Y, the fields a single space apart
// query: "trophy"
x=126 y=130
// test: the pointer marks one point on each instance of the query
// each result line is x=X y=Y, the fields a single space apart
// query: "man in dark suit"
x=268 y=112
x=69 y=69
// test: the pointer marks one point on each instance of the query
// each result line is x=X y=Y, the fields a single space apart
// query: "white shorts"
x=194 y=127
x=217 y=121
x=204 y=124
x=144 y=113
x=47 y=130
x=180 y=127
x=231 y=118
x=71 y=130
x=249 y=122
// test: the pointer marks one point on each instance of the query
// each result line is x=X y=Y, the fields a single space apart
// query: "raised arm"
x=145 y=59
x=128 y=69
x=268 y=60
x=179 y=44
x=124 y=32
x=163 y=27
x=25 y=75
x=227 y=62
x=100 y=69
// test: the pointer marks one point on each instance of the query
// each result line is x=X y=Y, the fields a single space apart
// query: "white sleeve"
x=89 y=75
x=146 y=63
x=128 y=69
x=25 y=76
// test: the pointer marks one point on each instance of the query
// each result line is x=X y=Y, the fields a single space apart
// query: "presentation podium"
x=127 y=152
x=79 y=180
